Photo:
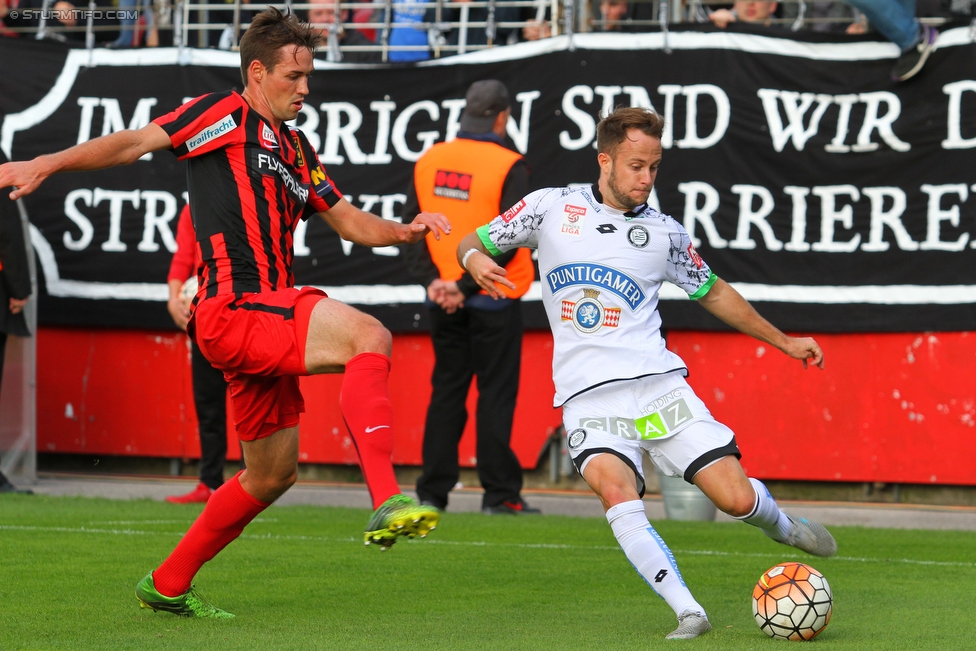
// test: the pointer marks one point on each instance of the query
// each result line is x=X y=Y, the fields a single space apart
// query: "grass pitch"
x=300 y=578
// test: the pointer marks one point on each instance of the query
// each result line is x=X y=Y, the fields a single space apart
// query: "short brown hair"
x=612 y=130
x=270 y=31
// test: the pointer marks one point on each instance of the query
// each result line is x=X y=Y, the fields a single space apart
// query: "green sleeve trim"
x=483 y=236
x=704 y=288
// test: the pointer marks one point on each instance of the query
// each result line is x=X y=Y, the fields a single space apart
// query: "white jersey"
x=601 y=273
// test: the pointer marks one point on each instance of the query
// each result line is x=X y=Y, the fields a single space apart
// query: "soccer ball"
x=792 y=601
x=188 y=291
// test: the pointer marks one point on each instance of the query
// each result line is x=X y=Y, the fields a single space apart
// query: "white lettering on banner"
x=796 y=105
x=794 y=115
x=154 y=220
x=212 y=132
x=846 y=104
x=954 y=139
x=336 y=132
x=583 y=120
x=829 y=215
x=798 y=232
x=880 y=218
x=702 y=215
x=112 y=120
x=115 y=198
x=723 y=114
x=586 y=123
x=936 y=215
x=308 y=122
x=519 y=132
x=83 y=223
x=380 y=155
x=749 y=218
x=426 y=138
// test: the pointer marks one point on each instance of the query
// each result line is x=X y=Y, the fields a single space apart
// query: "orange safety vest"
x=463 y=179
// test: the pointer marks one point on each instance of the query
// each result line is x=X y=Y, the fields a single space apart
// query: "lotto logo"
x=693 y=254
x=452 y=185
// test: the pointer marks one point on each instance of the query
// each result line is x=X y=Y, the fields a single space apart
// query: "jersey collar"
x=630 y=214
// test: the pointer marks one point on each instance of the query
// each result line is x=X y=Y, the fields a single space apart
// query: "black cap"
x=485 y=100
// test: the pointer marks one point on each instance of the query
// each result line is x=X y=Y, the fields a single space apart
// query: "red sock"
x=228 y=511
x=365 y=403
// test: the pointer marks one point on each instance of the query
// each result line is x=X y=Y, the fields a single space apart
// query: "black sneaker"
x=511 y=508
x=7 y=487
x=912 y=59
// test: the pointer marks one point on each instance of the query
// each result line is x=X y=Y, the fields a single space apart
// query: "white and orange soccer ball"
x=792 y=601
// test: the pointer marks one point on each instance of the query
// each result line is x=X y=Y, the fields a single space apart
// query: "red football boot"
x=198 y=495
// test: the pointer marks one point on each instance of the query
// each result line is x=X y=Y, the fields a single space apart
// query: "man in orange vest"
x=471 y=179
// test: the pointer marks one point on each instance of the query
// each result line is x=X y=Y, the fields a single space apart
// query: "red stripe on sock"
x=365 y=404
x=228 y=511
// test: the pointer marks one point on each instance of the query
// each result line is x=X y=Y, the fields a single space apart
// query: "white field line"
x=610 y=548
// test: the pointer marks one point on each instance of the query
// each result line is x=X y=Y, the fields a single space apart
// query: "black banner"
x=832 y=198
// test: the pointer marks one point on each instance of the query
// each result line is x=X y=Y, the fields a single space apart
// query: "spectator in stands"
x=323 y=18
x=477 y=36
x=127 y=35
x=825 y=16
x=613 y=16
x=15 y=287
x=209 y=385
x=746 y=11
x=408 y=16
x=896 y=21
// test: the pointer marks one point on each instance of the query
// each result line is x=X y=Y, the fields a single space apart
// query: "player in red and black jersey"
x=250 y=179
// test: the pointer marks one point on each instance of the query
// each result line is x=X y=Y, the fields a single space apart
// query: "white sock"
x=650 y=556
x=766 y=514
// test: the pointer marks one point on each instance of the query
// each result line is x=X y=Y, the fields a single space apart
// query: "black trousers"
x=210 y=399
x=486 y=344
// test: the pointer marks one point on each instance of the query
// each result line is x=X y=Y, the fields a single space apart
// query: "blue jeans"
x=128 y=33
x=895 y=19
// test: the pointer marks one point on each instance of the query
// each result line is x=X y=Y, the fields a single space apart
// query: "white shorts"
x=659 y=414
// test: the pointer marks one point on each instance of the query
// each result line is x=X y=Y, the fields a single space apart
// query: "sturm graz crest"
x=638 y=236
x=576 y=438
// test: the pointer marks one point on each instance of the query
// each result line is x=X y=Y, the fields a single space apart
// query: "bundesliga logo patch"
x=268 y=140
x=452 y=185
x=572 y=220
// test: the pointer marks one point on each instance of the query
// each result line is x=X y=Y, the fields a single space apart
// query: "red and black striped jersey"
x=249 y=185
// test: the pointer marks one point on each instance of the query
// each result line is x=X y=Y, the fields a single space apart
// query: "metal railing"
x=450 y=26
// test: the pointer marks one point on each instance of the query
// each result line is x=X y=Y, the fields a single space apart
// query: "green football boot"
x=188 y=604
x=400 y=516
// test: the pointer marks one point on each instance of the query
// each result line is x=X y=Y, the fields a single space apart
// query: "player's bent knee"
x=372 y=337
x=738 y=505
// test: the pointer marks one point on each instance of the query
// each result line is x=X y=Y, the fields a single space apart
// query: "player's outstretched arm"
x=727 y=304
x=485 y=271
x=361 y=227
x=120 y=148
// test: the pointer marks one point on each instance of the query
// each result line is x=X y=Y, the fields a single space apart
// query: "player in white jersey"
x=603 y=255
